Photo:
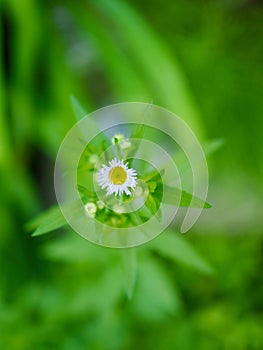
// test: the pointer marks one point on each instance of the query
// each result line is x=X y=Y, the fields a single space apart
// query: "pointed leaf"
x=156 y=296
x=129 y=270
x=153 y=207
x=78 y=109
x=86 y=192
x=47 y=221
x=71 y=248
x=175 y=246
x=212 y=146
x=178 y=197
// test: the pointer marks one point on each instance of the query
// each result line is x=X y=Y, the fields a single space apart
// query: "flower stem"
x=118 y=149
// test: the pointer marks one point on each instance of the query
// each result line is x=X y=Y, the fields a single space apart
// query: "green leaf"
x=47 y=221
x=153 y=175
x=80 y=112
x=172 y=87
x=151 y=204
x=71 y=248
x=153 y=207
x=86 y=192
x=78 y=109
x=175 y=196
x=99 y=296
x=212 y=146
x=156 y=296
x=129 y=270
x=152 y=186
x=175 y=246
x=138 y=131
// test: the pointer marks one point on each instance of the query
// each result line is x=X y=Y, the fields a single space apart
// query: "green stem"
x=118 y=149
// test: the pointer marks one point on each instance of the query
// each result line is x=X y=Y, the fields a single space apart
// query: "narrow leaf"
x=47 y=221
x=152 y=206
x=72 y=248
x=176 y=247
x=138 y=132
x=78 y=109
x=156 y=296
x=86 y=192
x=139 y=129
x=175 y=196
x=212 y=146
x=129 y=270
x=80 y=112
x=172 y=89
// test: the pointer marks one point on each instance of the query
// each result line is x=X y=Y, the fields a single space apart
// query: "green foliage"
x=78 y=109
x=53 y=218
x=177 y=248
x=47 y=221
x=129 y=270
x=156 y=296
x=61 y=292
x=174 y=196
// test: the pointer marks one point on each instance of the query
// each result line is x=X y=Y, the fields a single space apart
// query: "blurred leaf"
x=151 y=57
x=152 y=186
x=78 y=109
x=93 y=128
x=20 y=193
x=154 y=175
x=138 y=133
x=100 y=295
x=73 y=248
x=129 y=270
x=125 y=81
x=139 y=129
x=209 y=148
x=153 y=207
x=176 y=247
x=86 y=192
x=175 y=196
x=108 y=330
x=212 y=146
x=155 y=297
x=5 y=154
x=151 y=204
x=47 y=221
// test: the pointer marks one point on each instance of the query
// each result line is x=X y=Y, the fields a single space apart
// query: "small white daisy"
x=117 y=178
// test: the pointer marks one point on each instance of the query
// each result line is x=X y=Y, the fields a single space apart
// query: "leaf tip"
x=207 y=205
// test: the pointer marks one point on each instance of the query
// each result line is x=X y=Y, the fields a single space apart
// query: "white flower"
x=117 y=178
x=90 y=209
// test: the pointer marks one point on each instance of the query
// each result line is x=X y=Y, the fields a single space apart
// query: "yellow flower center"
x=117 y=175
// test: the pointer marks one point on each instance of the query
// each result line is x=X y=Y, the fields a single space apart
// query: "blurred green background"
x=200 y=59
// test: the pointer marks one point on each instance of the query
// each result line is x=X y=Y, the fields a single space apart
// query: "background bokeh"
x=203 y=61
